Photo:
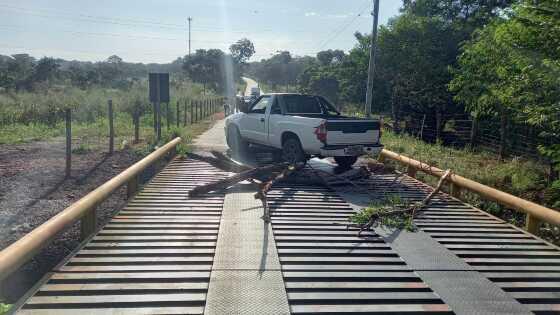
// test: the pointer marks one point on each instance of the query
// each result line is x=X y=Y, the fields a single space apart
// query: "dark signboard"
x=159 y=87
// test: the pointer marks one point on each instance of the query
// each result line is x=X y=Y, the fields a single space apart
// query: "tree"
x=326 y=57
x=512 y=68
x=20 y=69
x=469 y=14
x=209 y=68
x=45 y=69
x=114 y=60
x=414 y=58
x=242 y=50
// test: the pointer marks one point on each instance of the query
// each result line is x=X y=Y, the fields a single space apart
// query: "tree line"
x=22 y=72
x=496 y=60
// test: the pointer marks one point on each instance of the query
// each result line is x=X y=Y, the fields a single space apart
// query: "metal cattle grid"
x=523 y=265
x=328 y=269
x=154 y=256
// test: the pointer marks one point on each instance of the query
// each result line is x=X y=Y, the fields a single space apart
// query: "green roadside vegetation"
x=521 y=177
x=38 y=115
x=4 y=308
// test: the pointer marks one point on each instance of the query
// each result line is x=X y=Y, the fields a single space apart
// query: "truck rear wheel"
x=345 y=161
x=292 y=151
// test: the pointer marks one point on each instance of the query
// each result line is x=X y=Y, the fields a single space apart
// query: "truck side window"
x=276 y=108
x=260 y=106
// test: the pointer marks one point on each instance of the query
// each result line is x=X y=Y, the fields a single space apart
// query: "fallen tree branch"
x=376 y=217
x=234 y=165
x=265 y=188
x=255 y=173
x=219 y=163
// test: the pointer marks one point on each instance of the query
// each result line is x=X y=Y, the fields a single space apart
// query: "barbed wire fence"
x=106 y=128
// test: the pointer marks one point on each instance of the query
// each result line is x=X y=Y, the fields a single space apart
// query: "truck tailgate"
x=352 y=131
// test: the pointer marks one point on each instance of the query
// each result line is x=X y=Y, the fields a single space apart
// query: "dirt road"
x=250 y=84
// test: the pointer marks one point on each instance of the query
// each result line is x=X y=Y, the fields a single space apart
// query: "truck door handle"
x=262 y=119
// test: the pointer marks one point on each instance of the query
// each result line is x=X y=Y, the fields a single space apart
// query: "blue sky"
x=156 y=30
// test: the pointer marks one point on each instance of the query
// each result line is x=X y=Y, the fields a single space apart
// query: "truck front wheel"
x=235 y=142
x=292 y=151
x=345 y=161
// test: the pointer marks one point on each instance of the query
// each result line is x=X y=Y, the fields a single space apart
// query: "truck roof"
x=299 y=94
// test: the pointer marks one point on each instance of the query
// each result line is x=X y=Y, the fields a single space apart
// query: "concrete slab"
x=246 y=276
x=212 y=139
x=245 y=241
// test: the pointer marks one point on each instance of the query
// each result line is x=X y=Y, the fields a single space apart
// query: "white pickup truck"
x=302 y=126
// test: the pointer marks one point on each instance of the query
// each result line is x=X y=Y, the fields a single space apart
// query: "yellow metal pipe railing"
x=21 y=251
x=535 y=212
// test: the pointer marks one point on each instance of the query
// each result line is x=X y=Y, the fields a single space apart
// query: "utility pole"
x=190 y=20
x=372 y=49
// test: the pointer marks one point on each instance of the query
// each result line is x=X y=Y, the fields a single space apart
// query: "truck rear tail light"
x=321 y=132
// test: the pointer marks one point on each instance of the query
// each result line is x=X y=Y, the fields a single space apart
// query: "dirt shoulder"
x=33 y=189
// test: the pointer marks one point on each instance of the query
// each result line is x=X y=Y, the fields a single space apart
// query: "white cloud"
x=311 y=14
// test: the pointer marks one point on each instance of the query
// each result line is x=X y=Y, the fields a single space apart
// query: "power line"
x=336 y=33
x=91 y=52
x=46 y=13
x=21 y=29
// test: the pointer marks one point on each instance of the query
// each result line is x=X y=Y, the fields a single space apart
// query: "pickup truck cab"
x=302 y=126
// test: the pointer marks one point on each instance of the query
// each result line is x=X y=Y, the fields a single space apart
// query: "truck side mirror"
x=244 y=107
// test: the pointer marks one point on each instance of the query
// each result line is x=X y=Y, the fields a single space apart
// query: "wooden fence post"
x=136 y=120
x=68 y=118
x=474 y=132
x=192 y=111
x=155 y=117
x=177 y=117
x=111 y=128
x=158 y=110
x=503 y=133
x=185 y=113
x=168 y=114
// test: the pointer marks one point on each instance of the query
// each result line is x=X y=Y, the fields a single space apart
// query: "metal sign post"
x=159 y=92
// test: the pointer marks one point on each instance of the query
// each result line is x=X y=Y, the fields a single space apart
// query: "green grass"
x=4 y=308
x=22 y=133
x=524 y=178
x=518 y=176
x=26 y=116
